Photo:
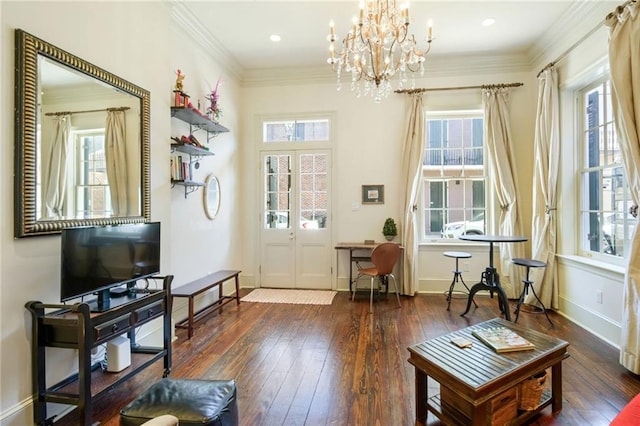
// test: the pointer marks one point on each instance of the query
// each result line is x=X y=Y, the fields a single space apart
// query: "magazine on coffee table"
x=502 y=339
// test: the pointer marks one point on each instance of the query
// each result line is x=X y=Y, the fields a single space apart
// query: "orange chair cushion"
x=630 y=414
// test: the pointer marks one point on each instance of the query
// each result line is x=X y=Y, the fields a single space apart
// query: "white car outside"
x=282 y=221
x=613 y=232
x=468 y=227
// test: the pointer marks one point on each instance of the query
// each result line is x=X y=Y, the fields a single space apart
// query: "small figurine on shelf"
x=179 y=79
x=214 y=111
x=180 y=99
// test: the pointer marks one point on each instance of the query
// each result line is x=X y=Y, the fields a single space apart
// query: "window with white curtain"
x=453 y=168
x=606 y=220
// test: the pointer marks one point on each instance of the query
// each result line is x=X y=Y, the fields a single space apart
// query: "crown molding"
x=448 y=65
x=436 y=66
x=189 y=24
x=567 y=30
x=577 y=21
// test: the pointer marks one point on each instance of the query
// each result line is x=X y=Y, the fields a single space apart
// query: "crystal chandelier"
x=377 y=47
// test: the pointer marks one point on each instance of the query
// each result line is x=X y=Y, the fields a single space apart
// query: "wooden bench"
x=199 y=286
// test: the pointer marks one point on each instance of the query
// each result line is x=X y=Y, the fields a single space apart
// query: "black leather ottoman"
x=193 y=402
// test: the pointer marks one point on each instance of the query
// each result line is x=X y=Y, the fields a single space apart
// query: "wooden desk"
x=477 y=385
x=355 y=259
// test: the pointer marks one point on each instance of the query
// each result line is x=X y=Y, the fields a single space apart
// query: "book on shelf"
x=503 y=339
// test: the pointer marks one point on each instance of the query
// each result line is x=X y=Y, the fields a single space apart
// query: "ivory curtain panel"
x=55 y=180
x=624 y=64
x=545 y=179
x=412 y=180
x=116 y=158
x=502 y=173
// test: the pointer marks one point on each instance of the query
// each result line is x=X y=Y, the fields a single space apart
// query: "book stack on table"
x=502 y=339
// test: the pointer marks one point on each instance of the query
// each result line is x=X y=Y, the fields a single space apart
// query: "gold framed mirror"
x=82 y=139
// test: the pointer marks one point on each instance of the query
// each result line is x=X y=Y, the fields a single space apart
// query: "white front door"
x=295 y=249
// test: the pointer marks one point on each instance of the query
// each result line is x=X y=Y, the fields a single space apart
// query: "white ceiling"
x=243 y=27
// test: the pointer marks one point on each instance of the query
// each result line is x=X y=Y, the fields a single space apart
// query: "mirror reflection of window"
x=50 y=83
x=90 y=184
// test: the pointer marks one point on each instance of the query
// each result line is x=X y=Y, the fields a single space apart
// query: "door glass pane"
x=277 y=191
x=314 y=197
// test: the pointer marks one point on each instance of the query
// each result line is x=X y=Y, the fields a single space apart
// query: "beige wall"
x=367 y=149
x=145 y=47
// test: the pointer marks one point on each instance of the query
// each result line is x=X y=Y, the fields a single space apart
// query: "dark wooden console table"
x=76 y=327
x=479 y=386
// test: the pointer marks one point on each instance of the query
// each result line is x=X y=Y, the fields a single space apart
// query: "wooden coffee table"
x=479 y=386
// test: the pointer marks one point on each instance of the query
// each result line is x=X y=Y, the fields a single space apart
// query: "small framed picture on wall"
x=372 y=194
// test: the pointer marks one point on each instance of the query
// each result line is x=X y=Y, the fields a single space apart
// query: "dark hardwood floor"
x=339 y=365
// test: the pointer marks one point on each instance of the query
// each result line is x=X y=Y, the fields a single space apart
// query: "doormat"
x=295 y=297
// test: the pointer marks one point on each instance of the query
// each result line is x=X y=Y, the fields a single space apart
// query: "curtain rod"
x=434 y=89
x=90 y=110
x=618 y=9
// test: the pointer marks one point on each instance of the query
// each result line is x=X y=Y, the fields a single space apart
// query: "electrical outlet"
x=599 y=297
x=465 y=266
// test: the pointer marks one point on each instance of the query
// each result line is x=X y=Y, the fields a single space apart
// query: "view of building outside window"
x=607 y=222
x=301 y=170
x=454 y=176
x=314 y=197
x=277 y=191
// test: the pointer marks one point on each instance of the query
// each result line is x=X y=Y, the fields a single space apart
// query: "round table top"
x=493 y=238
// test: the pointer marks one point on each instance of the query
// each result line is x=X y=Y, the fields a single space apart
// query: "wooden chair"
x=384 y=257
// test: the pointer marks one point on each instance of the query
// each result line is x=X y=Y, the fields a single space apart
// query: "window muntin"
x=91 y=197
x=454 y=176
x=606 y=224
x=277 y=191
x=304 y=130
x=314 y=196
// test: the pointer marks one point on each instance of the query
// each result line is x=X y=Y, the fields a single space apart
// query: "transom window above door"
x=303 y=130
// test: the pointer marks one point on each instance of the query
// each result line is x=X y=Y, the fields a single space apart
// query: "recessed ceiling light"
x=488 y=22
x=275 y=38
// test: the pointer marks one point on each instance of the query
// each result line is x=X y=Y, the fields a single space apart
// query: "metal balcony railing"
x=453 y=157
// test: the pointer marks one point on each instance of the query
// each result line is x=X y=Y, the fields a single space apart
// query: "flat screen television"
x=97 y=259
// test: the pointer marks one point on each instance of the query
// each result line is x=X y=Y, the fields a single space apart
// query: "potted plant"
x=389 y=230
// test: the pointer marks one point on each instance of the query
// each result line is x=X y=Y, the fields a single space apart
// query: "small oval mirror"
x=211 y=196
